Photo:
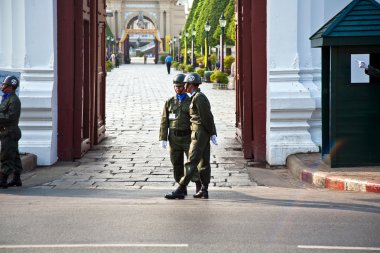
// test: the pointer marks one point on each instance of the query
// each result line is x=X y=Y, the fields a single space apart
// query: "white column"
x=31 y=51
x=6 y=33
x=289 y=102
x=310 y=12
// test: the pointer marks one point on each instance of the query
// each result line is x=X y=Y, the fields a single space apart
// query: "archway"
x=138 y=34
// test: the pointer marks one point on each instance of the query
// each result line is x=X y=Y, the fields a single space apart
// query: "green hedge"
x=219 y=77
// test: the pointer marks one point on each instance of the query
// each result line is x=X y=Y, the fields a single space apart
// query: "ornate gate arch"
x=125 y=41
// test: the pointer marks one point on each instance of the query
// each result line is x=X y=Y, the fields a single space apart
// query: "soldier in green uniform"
x=203 y=129
x=10 y=133
x=175 y=127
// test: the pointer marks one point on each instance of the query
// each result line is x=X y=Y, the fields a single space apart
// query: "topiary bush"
x=207 y=75
x=181 y=67
x=175 y=64
x=109 y=66
x=189 y=68
x=228 y=60
x=162 y=59
x=219 y=77
x=201 y=72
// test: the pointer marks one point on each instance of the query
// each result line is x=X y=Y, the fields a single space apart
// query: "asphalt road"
x=254 y=219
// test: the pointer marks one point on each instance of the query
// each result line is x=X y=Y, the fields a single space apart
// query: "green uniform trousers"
x=10 y=157
x=199 y=157
x=179 y=146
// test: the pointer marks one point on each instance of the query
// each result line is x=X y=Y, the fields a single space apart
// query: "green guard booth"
x=350 y=97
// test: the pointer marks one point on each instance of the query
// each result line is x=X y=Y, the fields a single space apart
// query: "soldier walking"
x=176 y=120
x=203 y=129
x=10 y=133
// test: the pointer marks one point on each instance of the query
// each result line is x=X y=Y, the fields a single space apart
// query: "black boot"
x=198 y=186
x=3 y=181
x=202 y=194
x=185 y=191
x=179 y=193
x=16 y=181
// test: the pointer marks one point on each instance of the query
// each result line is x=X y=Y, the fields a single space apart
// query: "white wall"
x=28 y=46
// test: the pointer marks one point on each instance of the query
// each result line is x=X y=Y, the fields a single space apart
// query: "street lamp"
x=193 y=33
x=207 y=29
x=222 y=23
x=179 y=46
x=108 y=46
x=113 y=46
x=174 y=40
x=185 y=56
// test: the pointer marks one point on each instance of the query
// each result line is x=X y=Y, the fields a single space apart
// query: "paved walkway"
x=130 y=156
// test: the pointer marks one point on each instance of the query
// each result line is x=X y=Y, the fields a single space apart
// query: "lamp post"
x=113 y=45
x=207 y=29
x=193 y=33
x=108 y=46
x=179 y=46
x=185 y=56
x=222 y=23
x=174 y=41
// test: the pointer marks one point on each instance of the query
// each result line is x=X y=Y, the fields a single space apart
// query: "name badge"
x=171 y=115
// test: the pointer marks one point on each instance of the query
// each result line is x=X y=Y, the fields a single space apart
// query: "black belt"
x=181 y=132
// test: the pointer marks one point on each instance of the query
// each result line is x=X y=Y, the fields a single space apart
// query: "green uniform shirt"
x=200 y=113
x=175 y=116
x=10 y=110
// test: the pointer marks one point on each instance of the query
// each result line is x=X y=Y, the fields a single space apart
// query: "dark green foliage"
x=228 y=60
x=207 y=75
x=229 y=30
x=189 y=68
x=212 y=10
x=203 y=10
x=219 y=77
x=201 y=72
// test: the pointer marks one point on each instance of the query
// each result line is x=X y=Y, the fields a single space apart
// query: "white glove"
x=362 y=64
x=164 y=144
x=214 y=140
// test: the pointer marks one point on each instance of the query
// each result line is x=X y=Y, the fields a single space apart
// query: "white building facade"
x=28 y=47
x=294 y=76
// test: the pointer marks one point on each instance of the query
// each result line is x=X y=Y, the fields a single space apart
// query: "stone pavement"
x=130 y=157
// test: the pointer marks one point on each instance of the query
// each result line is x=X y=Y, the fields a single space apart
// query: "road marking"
x=338 y=247
x=126 y=245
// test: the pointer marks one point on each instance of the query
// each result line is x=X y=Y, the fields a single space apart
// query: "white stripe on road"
x=337 y=247
x=127 y=245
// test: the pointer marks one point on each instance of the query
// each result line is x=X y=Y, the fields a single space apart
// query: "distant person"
x=217 y=65
x=145 y=58
x=369 y=70
x=113 y=59
x=117 y=60
x=10 y=133
x=168 y=61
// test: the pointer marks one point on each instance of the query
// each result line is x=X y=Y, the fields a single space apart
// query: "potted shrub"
x=207 y=75
x=201 y=72
x=228 y=60
x=162 y=59
x=182 y=67
x=189 y=68
x=175 y=65
x=109 y=66
x=219 y=79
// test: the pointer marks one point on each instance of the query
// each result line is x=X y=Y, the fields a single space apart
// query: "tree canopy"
x=211 y=10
